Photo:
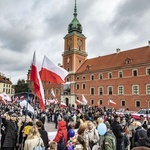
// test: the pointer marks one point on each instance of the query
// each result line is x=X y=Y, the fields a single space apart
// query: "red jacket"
x=62 y=131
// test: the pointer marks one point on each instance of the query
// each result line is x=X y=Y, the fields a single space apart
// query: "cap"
x=14 y=115
x=107 y=124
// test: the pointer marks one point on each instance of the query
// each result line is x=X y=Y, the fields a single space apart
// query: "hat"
x=107 y=124
x=142 y=133
x=14 y=115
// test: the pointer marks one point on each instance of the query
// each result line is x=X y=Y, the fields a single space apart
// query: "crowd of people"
x=23 y=130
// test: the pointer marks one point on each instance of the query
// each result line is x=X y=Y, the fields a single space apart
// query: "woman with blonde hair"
x=33 y=139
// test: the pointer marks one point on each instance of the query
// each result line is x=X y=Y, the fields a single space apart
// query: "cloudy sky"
x=29 y=25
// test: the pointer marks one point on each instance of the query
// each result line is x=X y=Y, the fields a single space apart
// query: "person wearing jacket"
x=143 y=139
x=109 y=142
x=33 y=139
x=118 y=132
x=43 y=134
x=10 y=139
x=61 y=132
x=91 y=136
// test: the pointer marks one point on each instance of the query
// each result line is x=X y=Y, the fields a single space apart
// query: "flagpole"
x=26 y=110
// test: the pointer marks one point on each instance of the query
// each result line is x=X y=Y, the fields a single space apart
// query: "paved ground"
x=50 y=127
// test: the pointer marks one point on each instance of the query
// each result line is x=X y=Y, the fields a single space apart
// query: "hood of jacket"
x=62 y=125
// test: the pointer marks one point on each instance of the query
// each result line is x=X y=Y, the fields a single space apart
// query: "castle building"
x=123 y=76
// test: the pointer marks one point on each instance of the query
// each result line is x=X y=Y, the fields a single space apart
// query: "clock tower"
x=74 y=45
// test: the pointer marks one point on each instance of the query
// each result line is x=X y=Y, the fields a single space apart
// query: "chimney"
x=118 y=50
x=149 y=43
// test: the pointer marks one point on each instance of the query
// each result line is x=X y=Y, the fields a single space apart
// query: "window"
x=120 y=74
x=92 y=77
x=100 y=102
x=148 y=89
x=83 y=85
x=135 y=73
x=77 y=78
x=100 y=90
x=149 y=104
x=92 y=91
x=83 y=77
x=109 y=75
x=135 y=89
x=68 y=69
x=123 y=103
x=100 y=76
x=137 y=103
x=120 y=90
x=4 y=85
x=67 y=79
x=57 y=91
x=148 y=71
x=110 y=90
x=77 y=86
x=92 y=102
x=80 y=61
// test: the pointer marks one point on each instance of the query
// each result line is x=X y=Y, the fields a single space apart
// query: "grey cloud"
x=129 y=14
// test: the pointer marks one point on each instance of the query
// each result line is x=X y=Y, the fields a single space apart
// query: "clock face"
x=79 y=42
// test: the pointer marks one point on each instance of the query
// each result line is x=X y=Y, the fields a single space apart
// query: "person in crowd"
x=61 y=133
x=80 y=144
x=137 y=129
x=53 y=145
x=143 y=139
x=91 y=136
x=43 y=134
x=24 y=124
x=11 y=129
x=118 y=132
x=109 y=142
x=33 y=139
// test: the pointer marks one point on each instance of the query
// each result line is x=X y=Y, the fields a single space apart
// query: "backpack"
x=61 y=144
x=39 y=147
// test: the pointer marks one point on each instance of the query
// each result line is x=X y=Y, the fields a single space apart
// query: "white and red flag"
x=51 y=72
x=111 y=102
x=5 y=96
x=63 y=105
x=15 y=99
x=78 y=102
x=52 y=92
x=38 y=87
x=84 y=101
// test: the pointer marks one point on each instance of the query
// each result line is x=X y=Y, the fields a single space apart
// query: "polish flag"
x=78 y=102
x=38 y=87
x=15 y=100
x=112 y=103
x=52 y=92
x=56 y=101
x=2 y=99
x=51 y=72
x=5 y=96
x=63 y=105
x=84 y=101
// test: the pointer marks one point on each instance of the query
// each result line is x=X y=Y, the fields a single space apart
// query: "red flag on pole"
x=38 y=87
x=51 y=72
x=112 y=103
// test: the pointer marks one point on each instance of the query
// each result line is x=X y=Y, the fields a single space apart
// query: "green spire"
x=75 y=10
x=75 y=24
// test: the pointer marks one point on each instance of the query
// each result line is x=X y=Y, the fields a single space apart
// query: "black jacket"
x=143 y=142
x=117 y=130
x=10 y=134
x=44 y=137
